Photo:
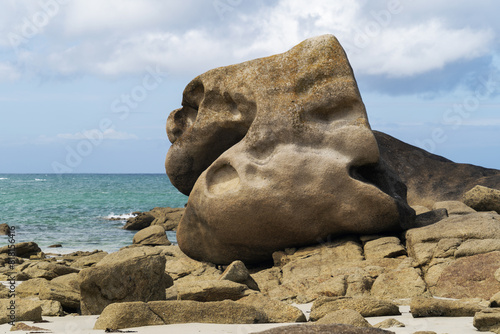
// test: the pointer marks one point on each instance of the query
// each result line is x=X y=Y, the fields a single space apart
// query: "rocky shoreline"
x=153 y=283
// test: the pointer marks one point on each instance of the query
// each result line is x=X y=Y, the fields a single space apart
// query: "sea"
x=80 y=212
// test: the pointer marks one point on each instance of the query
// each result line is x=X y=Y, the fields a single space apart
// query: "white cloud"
x=97 y=135
x=8 y=72
x=117 y=37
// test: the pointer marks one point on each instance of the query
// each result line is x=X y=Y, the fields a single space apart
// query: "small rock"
x=151 y=236
x=4 y=229
x=419 y=209
x=323 y=329
x=453 y=207
x=385 y=247
x=276 y=311
x=430 y=217
x=347 y=317
x=424 y=332
x=495 y=300
x=23 y=249
x=142 y=220
x=55 y=246
x=48 y=270
x=69 y=298
x=487 y=320
x=21 y=326
x=238 y=272
x=432 y=307
x=366 y=306
x=388 y=323
x=483 y=199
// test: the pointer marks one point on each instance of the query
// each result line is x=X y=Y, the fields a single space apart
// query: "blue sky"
x=87 y=85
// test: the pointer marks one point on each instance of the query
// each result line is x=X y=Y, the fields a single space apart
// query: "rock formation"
x=277 y=152
x=431 y=178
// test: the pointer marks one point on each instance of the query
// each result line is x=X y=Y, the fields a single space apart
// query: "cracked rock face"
x=277 y=152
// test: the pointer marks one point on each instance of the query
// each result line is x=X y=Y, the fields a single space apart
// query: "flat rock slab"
x=432 y=307
x=137 y=314
x=324 y=329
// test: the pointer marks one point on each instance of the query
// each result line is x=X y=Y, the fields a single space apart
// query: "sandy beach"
x=84 y=325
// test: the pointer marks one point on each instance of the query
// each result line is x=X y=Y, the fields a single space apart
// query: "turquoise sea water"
x=74 y=209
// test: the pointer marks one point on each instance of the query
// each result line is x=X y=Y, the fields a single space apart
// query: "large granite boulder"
x=131 y=274
x=277 y=152
x=431 y=178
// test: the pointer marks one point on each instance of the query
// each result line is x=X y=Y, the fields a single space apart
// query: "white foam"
x=40 y=180
x=4 y=178
x=124 y=216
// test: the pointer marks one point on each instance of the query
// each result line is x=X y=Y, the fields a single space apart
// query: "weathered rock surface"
x=87 y=260
x=168 y=218
x=237 y=272
x=268 y=154
x=142 y=220
x=132 y=274
x=4 y=229
x=384 y=247
x=275 y=310
x=453 y=207
x=366 y=306
x=399 y=284
x=25 y=310
x=324 y=329
x=207 y=291
x=68 y=297
x=347 y=317
x=48 y=270
x=431 y=178
x=388 y=323
x=483 y=199
x=136 y=314
x=151 y=236
x=23 y=249
x=487 y=320
x=432 y=307
x=470 y=277
x=430 y=217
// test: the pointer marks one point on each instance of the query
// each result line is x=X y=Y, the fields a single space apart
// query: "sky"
x=86 y=86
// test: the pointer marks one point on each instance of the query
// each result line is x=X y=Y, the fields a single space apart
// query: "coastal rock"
x=68 y=297
x=399 y=284
x=207 y=291
x=323 y=329
x=136 y=223
x=69 y=280
x=86 y=261
x=432 y=307
x=168 y=218
x=21 y=326
x=487 y=320
x=136 y=314
x=483 y=199
x=237 y=272
x=4 y=229
x=430 y=217
x=383 y=247
x=366 y=306
x=23 y=249
x=48 y=270
x=269 y=154
x=51 y=308
x=431 y=178
x=4 y=291
x=25 y=310
x=425 y=243
x=132 y=274
x=453 y=207
x=151 y=236
x=346 y=317
x=275 y=310
x=470 y=277
x=30 y=287
x=388 y=323
x=182 y=268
